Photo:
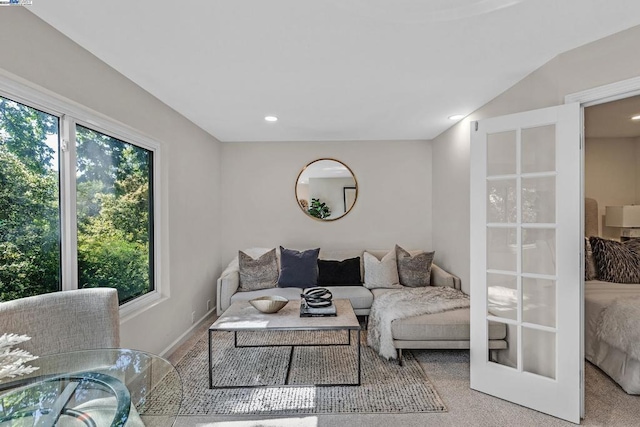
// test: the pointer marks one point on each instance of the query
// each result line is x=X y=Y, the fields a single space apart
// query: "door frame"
x=587 y=98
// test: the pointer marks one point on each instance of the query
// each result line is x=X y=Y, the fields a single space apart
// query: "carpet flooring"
x=606 y=403
x=386 y=387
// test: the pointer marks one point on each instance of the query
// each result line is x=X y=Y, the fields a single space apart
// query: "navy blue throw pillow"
x=346 y=272
x=298 y=269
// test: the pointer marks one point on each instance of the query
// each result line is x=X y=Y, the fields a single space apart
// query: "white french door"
x=525 y=259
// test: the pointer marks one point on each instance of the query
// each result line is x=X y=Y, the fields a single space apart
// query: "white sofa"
x=446 y=330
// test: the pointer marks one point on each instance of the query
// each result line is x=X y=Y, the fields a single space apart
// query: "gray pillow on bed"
x=615 y=261
x=590 y=271
x=634 y=245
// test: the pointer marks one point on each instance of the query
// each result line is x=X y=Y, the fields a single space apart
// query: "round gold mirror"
x=326 y=189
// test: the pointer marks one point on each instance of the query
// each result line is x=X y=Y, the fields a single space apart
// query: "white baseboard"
x=186 y=335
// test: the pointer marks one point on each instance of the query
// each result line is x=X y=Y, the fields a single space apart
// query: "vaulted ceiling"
x=331 y=69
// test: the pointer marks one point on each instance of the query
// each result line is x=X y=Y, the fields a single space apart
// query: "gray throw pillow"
x=414 y=271
x=590 y=272
x=261 y=273
x=298 y=269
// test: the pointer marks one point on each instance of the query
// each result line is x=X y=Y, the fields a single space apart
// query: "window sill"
x=133 y=308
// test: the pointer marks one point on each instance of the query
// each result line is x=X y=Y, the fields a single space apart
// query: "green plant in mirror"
x=319 y=209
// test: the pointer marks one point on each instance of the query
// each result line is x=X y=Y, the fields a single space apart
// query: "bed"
x=604 y=347
x=612 y=321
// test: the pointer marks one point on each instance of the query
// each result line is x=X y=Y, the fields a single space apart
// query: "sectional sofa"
x=445 y=330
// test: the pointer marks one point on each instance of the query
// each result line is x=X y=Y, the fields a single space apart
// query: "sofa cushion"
x=298 y=269
x=414 y=270
x=449 y=325
x=381 y=273
x=257 y=273
x=360 y=297
x=345 y=272
x=288 y=293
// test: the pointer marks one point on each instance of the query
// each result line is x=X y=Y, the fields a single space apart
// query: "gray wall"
x=190 y=185
x=260 y=207
x=602 y=62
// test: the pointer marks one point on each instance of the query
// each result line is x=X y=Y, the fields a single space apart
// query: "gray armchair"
x=64 y=321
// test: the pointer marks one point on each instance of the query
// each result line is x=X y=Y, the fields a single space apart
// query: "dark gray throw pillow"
x=615 y=261
x=298 y=269
x=261 y=273
x=345 y=272
x=414 y=271
x=633 y=244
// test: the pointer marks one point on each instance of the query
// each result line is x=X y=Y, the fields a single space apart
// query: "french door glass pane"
x=539 y=352
x=508 y=356
x=29 y=202
x=502 y=201
x=539 y=199
x=539 y=149
x=115 y=215
x=502 y=296
x=501 y=249
x=539 y=301
x=539 y=251
x=501 y=153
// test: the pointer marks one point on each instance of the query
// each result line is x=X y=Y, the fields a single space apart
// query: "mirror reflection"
x=326 y=189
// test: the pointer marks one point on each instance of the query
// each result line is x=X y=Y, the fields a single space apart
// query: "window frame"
x=69 y=115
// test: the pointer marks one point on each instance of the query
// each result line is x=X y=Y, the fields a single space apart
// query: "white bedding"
x=621 y=366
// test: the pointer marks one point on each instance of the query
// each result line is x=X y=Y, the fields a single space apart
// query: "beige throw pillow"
x=414 y=271
x=381 y=273
x=260 y=273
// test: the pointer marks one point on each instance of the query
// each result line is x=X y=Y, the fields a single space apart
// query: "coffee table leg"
x=286 y=380
x=359 y=367
x=210 y=367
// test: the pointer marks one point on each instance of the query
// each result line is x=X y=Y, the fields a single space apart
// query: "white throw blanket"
x=403 y=303
x=619 y=325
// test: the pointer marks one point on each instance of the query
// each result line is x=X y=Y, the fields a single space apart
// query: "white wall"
x=260 y=207
x=605 y=61
x=33 y=50
x=612 y=176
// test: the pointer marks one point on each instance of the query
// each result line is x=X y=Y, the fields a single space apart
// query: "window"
x=114 y=214
x=112 y=234
x=29 y=208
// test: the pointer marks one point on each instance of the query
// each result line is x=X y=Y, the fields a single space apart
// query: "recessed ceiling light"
x=456 y=117
x=636 y=117
x=271 y=118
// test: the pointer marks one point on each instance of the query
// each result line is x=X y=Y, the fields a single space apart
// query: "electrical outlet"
x=208 y=304
x=193 y=317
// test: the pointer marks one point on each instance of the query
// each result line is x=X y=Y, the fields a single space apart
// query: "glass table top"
x=106 y=387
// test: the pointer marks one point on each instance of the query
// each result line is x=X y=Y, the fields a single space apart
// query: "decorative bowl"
x=269 y=304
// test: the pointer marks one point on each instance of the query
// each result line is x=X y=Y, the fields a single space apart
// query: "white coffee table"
x=242 y=317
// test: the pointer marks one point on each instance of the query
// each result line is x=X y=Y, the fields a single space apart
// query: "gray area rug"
x=386 y=387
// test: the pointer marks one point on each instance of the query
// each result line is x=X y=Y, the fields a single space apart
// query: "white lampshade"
x=623 y=216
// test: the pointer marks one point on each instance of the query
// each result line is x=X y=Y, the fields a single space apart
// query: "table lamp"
x=626 y=217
